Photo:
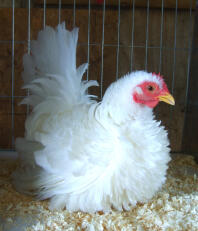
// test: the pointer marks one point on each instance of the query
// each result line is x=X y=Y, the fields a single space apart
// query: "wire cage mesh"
x=115 y=37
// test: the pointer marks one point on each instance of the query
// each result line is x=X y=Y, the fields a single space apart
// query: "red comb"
x=158 y=75
x=162 y=78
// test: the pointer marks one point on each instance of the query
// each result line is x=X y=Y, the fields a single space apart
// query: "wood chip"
x=174 y=207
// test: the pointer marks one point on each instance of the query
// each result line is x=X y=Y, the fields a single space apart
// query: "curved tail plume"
x=50 y=71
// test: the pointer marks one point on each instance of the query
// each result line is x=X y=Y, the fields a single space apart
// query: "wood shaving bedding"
x=174 y=207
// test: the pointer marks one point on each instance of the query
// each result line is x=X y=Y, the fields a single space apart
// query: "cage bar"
x=147 y=34
x=88 y=38
x=74 y=13
x=188 y=70
x=59 y=11
x=28 y=43
x=161 y=35
x=13 y=68
x=118 y=42
x=44 y=13
x=175 y=44
x=113 y=45
x=132 y=36
x=7 y=96
x=29 y=29
x=102 y=61
x=189 y=52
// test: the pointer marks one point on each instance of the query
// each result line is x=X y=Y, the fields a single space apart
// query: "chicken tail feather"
x=50 y=70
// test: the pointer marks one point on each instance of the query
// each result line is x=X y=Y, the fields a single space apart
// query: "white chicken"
x=82 y=154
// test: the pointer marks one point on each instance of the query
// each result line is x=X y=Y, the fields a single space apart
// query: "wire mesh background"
x=114 y=39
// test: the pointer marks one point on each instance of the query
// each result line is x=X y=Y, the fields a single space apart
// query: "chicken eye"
x=150 y=88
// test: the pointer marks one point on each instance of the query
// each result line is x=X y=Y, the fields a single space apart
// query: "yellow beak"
x=167 y=98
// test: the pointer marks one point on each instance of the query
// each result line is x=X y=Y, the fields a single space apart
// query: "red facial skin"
x=151 y=93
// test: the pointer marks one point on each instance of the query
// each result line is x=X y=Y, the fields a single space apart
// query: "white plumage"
x=82 y=154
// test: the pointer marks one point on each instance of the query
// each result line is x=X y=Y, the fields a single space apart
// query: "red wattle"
x=151 y=104
x=148 y=103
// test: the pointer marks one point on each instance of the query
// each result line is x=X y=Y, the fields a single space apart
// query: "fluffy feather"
x=82 y=154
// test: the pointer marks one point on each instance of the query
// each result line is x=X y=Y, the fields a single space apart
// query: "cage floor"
x=175 y=207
